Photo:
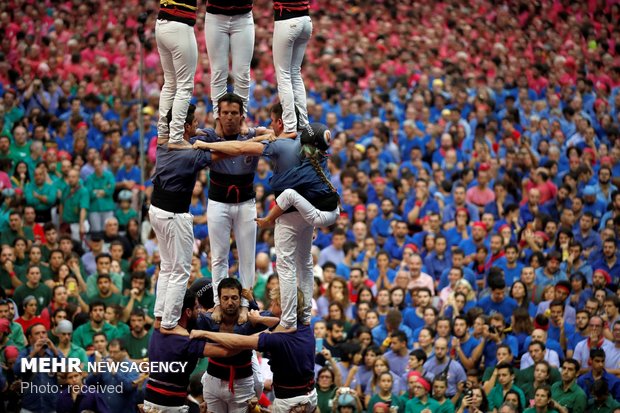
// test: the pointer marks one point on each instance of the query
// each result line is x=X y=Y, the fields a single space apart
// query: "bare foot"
x=243 y=316
x=281 y=329
x=183 y=145
x=264 y=223
x=247 y=294
x=178 y=330
x=157 y=324
x=216 y=315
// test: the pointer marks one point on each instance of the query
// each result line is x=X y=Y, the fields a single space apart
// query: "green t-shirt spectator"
x=123 y=217
x=607 y=407
x=113 y=299
x=146 y=303
x=91 y=283
x=105 y=183
x=446 y=407
x=8 y=236
x=415 y=405
x=46 y=190
x=20 y=152
x=137 y=348
x=573 y=399
x=17 y=335
x=73 y=202
x=393 y=401
x=527 y=376
x=83 y=335
x=41 y=292
x=496 y=396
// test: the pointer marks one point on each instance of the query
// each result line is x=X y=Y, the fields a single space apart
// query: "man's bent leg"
x=309 y=212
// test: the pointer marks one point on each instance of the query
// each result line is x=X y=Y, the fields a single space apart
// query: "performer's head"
x=277 y=124
x=317 y=135
x=189 y=311
x=276 y=303
x=191 y=122
x=231 y=113
x=203 y=288
x=229 y=291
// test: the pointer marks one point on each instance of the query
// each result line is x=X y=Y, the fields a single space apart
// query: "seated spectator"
x=599 y=373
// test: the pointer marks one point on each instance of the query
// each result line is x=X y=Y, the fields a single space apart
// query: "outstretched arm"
x=215 y=350
x=233 y=148
x=228 y=340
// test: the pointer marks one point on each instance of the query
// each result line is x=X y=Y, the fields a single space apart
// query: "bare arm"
x=228 y=340
x=256 y=318
x=215 y=350
x=233 y=148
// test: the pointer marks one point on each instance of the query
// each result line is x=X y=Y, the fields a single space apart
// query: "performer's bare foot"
x=264 y=222
x=243 y=315
x=183 y=145
x=281 y=329
x=247 y=294
x=216 y=315
x=157 y=324
x=178 y=330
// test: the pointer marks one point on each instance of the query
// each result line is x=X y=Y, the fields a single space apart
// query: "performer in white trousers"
x=229 y=28
x=292 y=30
x=173 y=183
x=293 y=235
x=178 y=52
x=232 y=203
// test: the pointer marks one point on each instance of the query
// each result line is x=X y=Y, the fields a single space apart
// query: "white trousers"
x=97 y=220
x=293 y=241
x=309 y=400
x=310 y=214
x=178 y=52
x=240 y=219
x=290 y=38
x=175 y=237
x=234 y=34
x=150 y=407
x=219 y=399
x=75 y=230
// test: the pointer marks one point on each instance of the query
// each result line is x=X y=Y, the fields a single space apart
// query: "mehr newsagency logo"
x=74 y=364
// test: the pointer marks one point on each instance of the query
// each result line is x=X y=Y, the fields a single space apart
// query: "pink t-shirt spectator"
x=480 y=197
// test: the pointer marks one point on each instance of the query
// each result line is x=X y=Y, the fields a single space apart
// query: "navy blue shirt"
x=292 y=355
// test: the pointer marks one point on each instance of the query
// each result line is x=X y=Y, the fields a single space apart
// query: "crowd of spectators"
x=477 y=153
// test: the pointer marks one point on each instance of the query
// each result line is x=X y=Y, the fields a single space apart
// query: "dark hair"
x=537 y=343
x=118 y=342
x=189 y=300
x=519 y=407
x=574 y=363
x=597 y=352
x=97 y=303
x=232 y=98
x=505 y=366
x=231 y=283
x=189 y=118
x=419 y=354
